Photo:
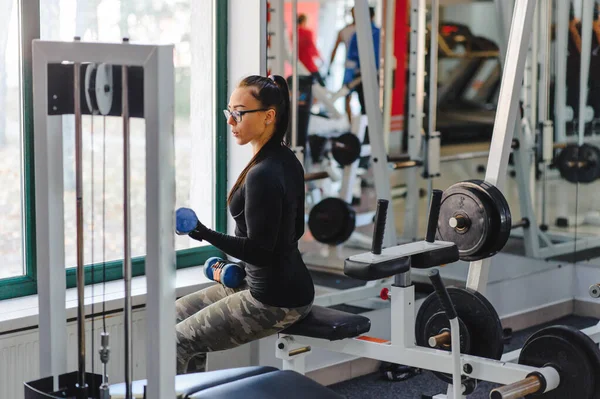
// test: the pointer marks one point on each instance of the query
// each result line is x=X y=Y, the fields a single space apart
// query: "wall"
x=247 y=56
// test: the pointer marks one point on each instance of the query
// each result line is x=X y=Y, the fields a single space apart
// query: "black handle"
x=442 y=293
x=380 y=216
x=434 y=214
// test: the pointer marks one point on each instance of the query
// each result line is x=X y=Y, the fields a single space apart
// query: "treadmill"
x=467 y=102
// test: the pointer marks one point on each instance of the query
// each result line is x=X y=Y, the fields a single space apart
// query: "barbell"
x=345 y=148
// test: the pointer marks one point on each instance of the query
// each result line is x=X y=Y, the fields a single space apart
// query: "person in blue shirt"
x=352 y=73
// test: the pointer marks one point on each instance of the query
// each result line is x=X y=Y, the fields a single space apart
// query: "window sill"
x=22 y=313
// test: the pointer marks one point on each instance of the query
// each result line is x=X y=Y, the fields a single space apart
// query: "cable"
x=576 y=209
x=92 y=249
x=104 y=224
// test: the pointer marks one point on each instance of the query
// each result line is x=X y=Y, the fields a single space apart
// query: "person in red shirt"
x=307 y=50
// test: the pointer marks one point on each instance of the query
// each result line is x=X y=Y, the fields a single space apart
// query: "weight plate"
x=464 y=220
x=476 y=313
x=345 y=148
x=476 y=217
x=502 y=220
x=439 y=323
x=579 y=164
x=575 y=337
x=332 y=221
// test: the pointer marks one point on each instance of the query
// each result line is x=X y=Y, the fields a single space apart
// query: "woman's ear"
x=270 y=116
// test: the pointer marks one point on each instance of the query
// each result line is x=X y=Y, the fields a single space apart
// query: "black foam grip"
x=380 y=216
x=442 y=293
x=434 y=214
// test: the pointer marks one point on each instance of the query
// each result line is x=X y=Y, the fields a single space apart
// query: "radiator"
x=19 y=353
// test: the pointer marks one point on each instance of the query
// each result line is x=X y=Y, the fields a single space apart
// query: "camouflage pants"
x=218 y=318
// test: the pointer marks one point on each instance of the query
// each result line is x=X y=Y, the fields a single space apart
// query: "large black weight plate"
x=476 y=313
x=345 y=148
x=573 y=353
x=481 y=219
x=332 y=221
x=503 y=218
x=579 y=164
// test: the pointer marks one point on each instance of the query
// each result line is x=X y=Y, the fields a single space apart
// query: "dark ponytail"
x=271 y=92
x=282 y=126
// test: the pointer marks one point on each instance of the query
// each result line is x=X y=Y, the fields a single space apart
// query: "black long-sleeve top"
x=268 y=210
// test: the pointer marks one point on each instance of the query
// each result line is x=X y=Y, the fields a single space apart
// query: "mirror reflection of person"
x=307 y=50
x=344 y=36
x=353 y=72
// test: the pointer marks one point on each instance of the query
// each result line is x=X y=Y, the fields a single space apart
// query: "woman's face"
x=249 y=121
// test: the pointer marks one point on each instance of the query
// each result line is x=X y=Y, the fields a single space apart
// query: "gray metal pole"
x=506 y=117
x=560 y=97
x=127 y=231
x=79 y=217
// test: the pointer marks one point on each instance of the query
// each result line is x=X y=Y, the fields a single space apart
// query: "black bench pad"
x=376 y=271
x=435 y=257
x=187 y=384
x=329 y=324
x=275 y=385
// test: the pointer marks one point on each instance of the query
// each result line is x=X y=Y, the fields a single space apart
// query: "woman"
x=267 y=204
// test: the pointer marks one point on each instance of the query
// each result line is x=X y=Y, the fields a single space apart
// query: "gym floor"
x=563 y=199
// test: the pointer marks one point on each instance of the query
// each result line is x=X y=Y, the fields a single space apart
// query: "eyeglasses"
x=237 y=115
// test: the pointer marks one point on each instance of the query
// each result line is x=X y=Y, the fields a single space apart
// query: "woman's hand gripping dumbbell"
x=217 y=269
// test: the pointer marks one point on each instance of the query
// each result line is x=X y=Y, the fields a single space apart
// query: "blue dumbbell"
x=186 y=221
x=229 y=274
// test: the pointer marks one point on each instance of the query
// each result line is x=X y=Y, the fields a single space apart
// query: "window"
x=200 y=133
x=11 y=171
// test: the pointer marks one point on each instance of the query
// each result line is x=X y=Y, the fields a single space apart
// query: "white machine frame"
x=157 y=61
x=401 y=349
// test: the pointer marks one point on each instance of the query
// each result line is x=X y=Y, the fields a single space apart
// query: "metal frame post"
x=416 y=100
x=49 y=229
x=157 y=61
x=506 y=117
x=366 y=51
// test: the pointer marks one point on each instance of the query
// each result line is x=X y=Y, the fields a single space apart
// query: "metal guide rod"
x=127 y=231
x=506 y=117
x=295 y=74
x=561 y=46
x=534 y=78
x=543 y=40
x=545 y=21
x=433 y=65
x=587 y=16
x=433 y=78
x=79 y=218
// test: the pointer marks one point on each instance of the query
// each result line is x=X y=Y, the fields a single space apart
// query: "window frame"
x=29 y=29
